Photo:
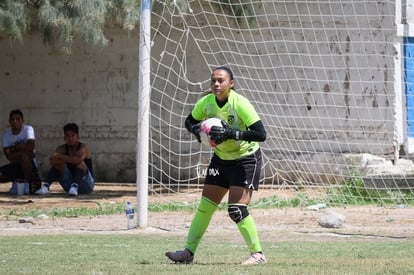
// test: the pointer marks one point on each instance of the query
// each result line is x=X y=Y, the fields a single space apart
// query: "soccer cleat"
x=181 y=256
x=73 y=191
x=42 y=190
x=13 y=188
x=255 y=258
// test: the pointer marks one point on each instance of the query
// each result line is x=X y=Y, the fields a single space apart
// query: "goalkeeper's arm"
x=193 y=126
x=255 y=132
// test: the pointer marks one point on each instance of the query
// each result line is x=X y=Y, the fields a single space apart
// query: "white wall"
x=96 y=89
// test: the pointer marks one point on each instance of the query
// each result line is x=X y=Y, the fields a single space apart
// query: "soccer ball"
x=205 y=130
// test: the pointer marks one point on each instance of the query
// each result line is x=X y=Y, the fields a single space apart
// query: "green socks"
x=200 y=222
x=202 y=218
x=247 y=228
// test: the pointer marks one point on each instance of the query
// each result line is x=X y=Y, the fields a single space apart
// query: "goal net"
x=322 y=76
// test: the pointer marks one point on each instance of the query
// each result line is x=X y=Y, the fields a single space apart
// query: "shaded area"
x=110 y=193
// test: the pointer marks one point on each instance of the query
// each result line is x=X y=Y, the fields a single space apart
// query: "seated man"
x=71 y=165
x=19 y=147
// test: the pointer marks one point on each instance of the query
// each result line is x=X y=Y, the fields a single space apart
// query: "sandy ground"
x=361 y=223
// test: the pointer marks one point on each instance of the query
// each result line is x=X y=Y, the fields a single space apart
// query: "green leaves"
x=13 y=19
x=61 y=21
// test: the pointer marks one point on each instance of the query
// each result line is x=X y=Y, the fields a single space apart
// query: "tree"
x=62 y=21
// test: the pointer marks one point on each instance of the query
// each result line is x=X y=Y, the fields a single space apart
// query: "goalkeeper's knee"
x=237 y=212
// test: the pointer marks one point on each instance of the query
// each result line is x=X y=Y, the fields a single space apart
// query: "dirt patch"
x=365 y=223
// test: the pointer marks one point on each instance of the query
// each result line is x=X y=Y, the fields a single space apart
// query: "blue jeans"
x=85 y=183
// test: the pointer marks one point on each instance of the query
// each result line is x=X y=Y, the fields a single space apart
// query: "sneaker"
x=181 y=256
x=73 y=191
x=255 y=258
x=13 y=188
x=42 y=190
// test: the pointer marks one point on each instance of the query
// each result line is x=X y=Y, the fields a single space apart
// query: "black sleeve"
x=255 y=132
x=190 y=122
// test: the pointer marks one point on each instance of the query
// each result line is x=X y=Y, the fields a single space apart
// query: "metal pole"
x=144 y=91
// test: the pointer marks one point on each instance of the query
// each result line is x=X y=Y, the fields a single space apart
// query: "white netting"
x=320 y=74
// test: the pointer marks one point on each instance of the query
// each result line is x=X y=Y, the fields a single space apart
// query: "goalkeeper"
x=235 y=166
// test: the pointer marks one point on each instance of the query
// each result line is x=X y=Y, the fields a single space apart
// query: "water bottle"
x=129 y=212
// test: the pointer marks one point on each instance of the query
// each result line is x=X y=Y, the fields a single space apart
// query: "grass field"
x=87 y=235
x=135 y=254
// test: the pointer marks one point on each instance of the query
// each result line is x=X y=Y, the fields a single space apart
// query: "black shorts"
x=13 y=170
x=244 y=172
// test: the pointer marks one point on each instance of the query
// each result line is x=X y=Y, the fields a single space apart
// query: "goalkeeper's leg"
x=200 y=222
x=212 y=195
x=239 y=213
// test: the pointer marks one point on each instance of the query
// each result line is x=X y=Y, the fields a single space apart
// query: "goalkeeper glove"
x=195 y=129
x=220 y=134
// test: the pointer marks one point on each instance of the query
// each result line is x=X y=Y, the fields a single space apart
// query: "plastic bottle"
x=129 y=212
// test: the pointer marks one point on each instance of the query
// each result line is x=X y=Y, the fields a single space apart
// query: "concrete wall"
x=336 y=101
x=96 y=89
x=321 y=75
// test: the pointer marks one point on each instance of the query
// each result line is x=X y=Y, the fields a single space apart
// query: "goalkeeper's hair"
x=224 y=68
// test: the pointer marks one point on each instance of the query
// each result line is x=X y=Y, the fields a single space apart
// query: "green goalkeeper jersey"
x=239 y=113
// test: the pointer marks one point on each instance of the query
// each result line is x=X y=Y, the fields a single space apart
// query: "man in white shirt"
x=19 y=147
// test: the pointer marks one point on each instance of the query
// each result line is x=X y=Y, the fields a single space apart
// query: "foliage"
x=62 y=21
x=14 y=19
x=100 y=209
x=351 y=193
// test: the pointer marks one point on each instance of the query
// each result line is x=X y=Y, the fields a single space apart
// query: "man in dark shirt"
x=71 y=165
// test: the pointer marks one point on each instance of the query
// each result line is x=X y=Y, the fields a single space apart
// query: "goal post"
x=321 y=74
x=143 y=113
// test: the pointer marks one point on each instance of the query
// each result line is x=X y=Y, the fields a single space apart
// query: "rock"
x=331 y=219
